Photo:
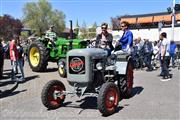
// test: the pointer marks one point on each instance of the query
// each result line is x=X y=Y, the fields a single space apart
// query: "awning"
x=129 y=20
x=145 y=19
x=166 y=18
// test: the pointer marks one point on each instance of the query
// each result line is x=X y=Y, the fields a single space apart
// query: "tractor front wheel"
x=52 y=94
x=62 y=68
x=108 y=98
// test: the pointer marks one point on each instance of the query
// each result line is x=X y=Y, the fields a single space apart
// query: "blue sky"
x=89 y=11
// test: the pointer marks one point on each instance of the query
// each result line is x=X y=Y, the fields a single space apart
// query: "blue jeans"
x=147 y=60
x=15 y=64
x=13 y=71
x=108 y=51
x=172 y=57
x=21 y=65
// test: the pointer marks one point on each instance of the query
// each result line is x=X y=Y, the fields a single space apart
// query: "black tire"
x=105 y=105
x=40 y=48
x=62 y=70
x=129 y=81
x=47 y=94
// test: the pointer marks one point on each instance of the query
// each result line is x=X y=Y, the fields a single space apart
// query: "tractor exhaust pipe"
x=71 y=30
x=71 y=35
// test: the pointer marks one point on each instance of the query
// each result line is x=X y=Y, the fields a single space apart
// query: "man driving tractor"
x=104 y=39
x=51 y=35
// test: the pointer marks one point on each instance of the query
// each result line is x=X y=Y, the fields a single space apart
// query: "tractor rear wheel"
x=51 y=94
x=129 y=81
x=38 y=56
x=108 y=98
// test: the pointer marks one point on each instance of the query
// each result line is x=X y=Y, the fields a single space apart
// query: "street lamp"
x=171 y=10
x=173 y=19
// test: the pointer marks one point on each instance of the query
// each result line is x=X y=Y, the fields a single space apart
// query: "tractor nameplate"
x=76 y=65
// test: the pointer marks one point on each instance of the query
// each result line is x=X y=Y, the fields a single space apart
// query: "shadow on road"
x=51 y=69
x=7 y=94
x=6 y=75
x=87 y=103
x=31 y=77
x=4 y=83
x=91 y=103
x=137 y=90
x=7 y=70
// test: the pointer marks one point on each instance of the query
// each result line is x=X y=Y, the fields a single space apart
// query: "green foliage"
x=24 y=34
x=40 y=15
x=76 y=29
x=88 y=33
x=92 y=31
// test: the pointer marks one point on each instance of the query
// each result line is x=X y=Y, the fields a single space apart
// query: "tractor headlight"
x=99 y=66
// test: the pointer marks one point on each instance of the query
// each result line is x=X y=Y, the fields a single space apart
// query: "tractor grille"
x=76 y=64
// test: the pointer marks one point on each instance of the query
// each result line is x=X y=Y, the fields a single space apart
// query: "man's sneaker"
x=165 y=79
x=21 y=79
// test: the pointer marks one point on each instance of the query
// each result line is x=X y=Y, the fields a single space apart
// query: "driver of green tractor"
x=51 y=36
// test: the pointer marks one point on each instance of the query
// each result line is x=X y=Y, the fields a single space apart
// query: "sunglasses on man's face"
x=123 y=26
x=103 y=28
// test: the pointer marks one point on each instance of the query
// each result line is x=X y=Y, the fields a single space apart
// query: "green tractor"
x=41 y=52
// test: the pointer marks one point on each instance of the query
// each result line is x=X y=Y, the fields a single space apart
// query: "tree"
x=76 y=29
x=9 y=26
x=92 y=31
x=40 y=15
x=83 y=31
x=94 y=25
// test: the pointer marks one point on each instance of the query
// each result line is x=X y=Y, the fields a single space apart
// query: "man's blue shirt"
x=126 y=39
x=172 y=48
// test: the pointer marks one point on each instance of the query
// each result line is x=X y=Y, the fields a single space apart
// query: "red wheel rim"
x=112 y=99
x=51 y=99
x=130 y=78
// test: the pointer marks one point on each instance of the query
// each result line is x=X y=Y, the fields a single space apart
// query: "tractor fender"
x=121 y=65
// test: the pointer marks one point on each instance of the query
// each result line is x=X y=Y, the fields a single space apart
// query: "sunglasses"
x=104 y=28
x=123 y=26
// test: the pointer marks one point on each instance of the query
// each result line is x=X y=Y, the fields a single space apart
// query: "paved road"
x=152 y=99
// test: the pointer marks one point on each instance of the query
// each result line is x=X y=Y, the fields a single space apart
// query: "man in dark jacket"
x=104 y=39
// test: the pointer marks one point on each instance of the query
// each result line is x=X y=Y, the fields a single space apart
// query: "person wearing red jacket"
x=13 y=56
